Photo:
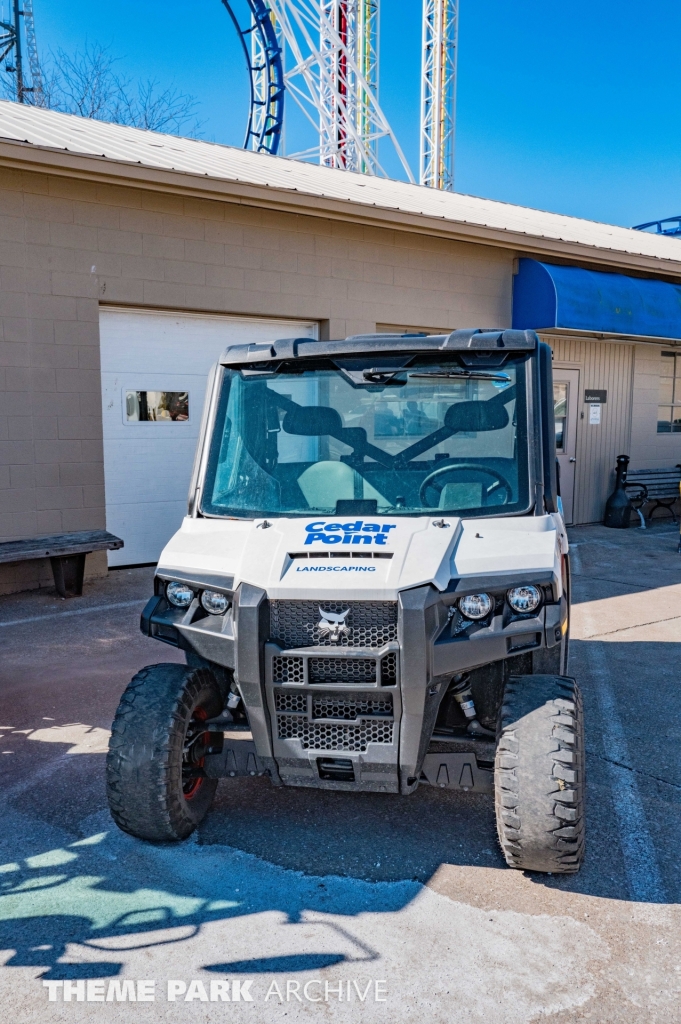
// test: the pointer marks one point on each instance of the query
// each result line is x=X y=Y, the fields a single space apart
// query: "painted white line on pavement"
x=640 y=863
x=75 y=611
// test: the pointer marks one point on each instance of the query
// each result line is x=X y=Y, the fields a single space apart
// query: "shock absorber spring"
x=460 y=689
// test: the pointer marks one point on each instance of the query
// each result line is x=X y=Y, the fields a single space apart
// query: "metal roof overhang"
x=569 y=300
x=151 y=161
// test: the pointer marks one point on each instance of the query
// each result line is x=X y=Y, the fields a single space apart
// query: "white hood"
x=363 y=557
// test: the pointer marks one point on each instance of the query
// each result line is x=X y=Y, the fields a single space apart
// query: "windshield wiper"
x=466 y=374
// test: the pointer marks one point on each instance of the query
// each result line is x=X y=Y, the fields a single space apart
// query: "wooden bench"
x=66 y=552
x=659 y=486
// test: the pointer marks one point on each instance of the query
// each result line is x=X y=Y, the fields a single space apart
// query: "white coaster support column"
x=332 y=75
x=438 y=93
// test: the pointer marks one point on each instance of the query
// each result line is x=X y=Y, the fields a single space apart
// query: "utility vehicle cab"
x=371 y=588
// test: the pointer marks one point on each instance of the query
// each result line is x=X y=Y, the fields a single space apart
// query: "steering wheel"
x=497 y=481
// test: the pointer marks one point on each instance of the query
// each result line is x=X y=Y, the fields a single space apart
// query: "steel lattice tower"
x=338 y=99
x=351 y=84
x=367 y=46
x=38 y=92
x=438 y=93
x=11 y=52
x=332 y=75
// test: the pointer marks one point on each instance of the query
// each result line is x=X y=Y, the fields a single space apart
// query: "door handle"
x=573 y=460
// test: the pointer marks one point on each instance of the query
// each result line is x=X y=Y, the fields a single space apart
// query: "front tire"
x=155 y=782
x=539 y=774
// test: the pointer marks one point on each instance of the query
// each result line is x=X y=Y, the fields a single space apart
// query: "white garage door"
x=154 y=370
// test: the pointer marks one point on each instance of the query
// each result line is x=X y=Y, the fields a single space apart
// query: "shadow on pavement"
x=260 y=850
x=280 y=964
x=71 y=878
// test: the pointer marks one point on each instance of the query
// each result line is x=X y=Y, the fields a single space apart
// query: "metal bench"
x=66 y=552
x=659 y=486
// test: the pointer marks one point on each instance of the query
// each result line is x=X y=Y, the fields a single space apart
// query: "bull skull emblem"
x=332 y=625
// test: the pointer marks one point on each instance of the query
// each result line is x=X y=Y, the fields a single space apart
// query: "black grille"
x=369 y=623
x=389 y=670
x=332 y=736
x=341 y=670
x=285 y=701
x=348 y=708
x=287 y=670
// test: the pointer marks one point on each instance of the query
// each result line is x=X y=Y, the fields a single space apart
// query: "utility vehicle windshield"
x=434 y=437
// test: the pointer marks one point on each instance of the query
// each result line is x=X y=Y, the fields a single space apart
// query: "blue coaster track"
x=266 y=76
x=667 y=226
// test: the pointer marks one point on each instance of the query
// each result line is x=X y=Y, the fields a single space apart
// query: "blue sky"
x=574 y=108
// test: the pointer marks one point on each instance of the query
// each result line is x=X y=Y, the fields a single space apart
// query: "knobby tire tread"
x=144 y=762
x=539 y=774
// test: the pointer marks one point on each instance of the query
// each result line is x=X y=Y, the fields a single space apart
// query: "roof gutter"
x=103 y=170
x=625 y=339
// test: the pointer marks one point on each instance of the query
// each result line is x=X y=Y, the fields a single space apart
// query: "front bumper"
x=358 y=718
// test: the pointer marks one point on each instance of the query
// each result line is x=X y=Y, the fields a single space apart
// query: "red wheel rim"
x=191 y=786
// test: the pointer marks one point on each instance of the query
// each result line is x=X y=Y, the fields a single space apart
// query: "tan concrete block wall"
x=650 y=450
x=410 y=329
x=18 y=576
x=67 y=246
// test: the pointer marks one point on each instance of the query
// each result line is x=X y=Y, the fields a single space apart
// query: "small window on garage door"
x=156 y=406
x=154 y=371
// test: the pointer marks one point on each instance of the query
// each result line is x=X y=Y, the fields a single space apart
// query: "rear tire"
x=155 y=786
x=539 y=774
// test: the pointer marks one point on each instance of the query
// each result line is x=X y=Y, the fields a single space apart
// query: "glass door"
x=565 y=400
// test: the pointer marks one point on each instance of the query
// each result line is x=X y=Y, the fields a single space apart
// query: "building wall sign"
x=601 y=397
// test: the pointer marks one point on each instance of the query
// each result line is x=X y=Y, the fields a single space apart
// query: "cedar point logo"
x=354 y=533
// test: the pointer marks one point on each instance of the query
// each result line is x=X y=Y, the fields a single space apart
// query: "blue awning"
x=550 y=297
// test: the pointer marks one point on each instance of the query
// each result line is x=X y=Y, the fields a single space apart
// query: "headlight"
x=475 y=606
x=214 y=603
x=524 y=599
x=179 y=594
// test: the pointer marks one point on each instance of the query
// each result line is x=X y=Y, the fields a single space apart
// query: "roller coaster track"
x=266 y=76
x=331 y=74
x=667 y=226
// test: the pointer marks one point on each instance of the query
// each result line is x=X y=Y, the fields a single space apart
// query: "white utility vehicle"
x=371 y=588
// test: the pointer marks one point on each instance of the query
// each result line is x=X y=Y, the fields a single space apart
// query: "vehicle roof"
x=473 y=340
x=477 y=340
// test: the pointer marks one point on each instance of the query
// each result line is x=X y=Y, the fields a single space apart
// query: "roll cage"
x=374 y=359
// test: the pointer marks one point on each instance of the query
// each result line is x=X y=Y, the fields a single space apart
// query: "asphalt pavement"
x=332 y=906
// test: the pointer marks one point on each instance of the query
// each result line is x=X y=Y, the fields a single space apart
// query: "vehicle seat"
x=324 y=483
x=461 y=495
